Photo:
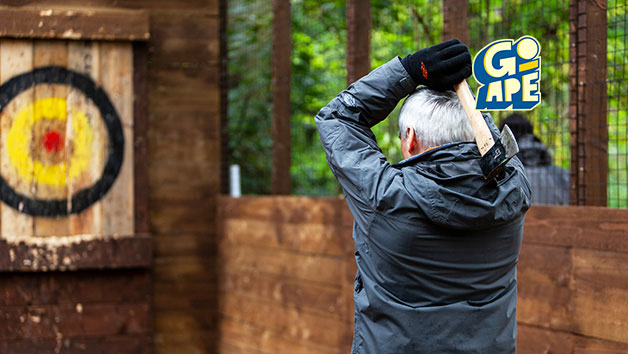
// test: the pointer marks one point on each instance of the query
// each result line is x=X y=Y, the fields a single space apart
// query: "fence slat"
x=282 y=47
x=358 y=39
x=455 y=25
x=588 y=102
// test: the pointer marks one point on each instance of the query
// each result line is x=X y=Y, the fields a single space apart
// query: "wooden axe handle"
x=483 y=136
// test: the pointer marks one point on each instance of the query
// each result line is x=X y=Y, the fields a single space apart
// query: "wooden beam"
x=224 y=98
x=588 y=102
x=75 y=252
x=455 y=23
x=358 y=39
x=140 y=136
x=282 y=47
x=73 y=23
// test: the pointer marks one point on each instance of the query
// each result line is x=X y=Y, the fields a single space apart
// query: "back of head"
x=518 y=124
x=436 y=117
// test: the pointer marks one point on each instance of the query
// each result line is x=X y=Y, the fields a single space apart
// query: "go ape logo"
x=509 y=73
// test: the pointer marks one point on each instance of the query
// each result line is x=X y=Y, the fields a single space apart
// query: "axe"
x=495 y=154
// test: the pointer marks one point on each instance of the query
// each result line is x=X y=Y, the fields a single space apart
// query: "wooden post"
x=455 y=25
x=588 y=102
x=358 y=39
x=224 y=91
x=282 y=46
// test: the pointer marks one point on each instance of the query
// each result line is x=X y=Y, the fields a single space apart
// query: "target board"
x=66 y=144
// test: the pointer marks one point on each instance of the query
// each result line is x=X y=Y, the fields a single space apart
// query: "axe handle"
x=483 y=136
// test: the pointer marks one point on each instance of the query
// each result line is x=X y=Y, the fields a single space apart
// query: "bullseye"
x=53 y=142
x=52 y=172
x=50 y=142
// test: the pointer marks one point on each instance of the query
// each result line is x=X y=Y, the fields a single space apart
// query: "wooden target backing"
x=66 y=145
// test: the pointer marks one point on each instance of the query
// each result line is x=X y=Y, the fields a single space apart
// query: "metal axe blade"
x=493 y=162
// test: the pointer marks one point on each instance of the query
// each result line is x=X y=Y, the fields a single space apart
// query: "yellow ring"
x=20 y=136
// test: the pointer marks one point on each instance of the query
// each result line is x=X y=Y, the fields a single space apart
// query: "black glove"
x=440 y=66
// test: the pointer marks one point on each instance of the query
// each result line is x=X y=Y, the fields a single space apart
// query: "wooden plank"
x=99 y=319
x=264 y=340
x=309 y=297
x=186 y=320
x=601 y=229
x=292 y=209
x=184 y=90
x=534 y=340
x=75 y=252
x=73 y=23
x=455 y=23
x=303 y=266
x=47 y=53
x=282 y=49
x=116 y=69
x=178 y=269
x=185 y=245
x=589 y=162
x=358 y=39
x=601 y=294
x=16 y=57
x=225 y=152
x=187 y=295
x=84 y=57
x=544 y=286
x=288 y=322
x=37 y=288
x=140 y=137
x=182 y=216
x=180 y=7
x=191 y=40
x=199 y=341
x=311 y=238
x=138 y=344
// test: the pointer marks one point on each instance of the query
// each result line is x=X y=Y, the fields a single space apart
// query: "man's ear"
x=411 y=139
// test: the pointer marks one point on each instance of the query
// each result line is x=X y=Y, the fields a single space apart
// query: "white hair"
x=437 y=118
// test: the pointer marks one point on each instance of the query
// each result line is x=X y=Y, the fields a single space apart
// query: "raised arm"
x=344 y=124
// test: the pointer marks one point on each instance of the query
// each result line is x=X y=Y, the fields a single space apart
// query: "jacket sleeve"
x=350 y=146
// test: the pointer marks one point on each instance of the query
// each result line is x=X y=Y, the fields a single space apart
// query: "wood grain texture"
x=116 y=69
x=84 y=57
x=47 y=53
x=78 y=252
x=455 y=22
x=358 y=39
x=73 y=23
x=588 y=103
x=16 y=57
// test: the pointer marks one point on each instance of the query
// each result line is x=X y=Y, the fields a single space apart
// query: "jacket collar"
x=457 y=148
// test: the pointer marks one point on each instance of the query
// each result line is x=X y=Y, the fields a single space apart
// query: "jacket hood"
x=448 y=185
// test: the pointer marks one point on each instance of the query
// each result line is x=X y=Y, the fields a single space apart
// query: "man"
x=549 y=183
x=436 y=245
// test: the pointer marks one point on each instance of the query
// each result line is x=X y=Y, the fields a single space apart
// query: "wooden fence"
x=287 y=271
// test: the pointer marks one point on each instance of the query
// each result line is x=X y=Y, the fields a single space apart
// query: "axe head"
x=493 y=162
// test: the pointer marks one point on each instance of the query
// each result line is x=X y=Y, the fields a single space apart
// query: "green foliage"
x=250 y=92
x=318 y=75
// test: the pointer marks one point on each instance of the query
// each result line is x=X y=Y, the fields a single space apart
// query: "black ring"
x=84 y=198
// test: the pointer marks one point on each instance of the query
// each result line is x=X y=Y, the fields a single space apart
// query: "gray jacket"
x=549 y=183
x=435 y=244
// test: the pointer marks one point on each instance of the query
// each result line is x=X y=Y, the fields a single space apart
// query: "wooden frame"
x=358 y=39
x=588 y=102
x=282 y=48
x=101 y=24
x=83 y=251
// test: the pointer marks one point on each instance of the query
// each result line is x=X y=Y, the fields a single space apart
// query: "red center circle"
x=53 y=141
